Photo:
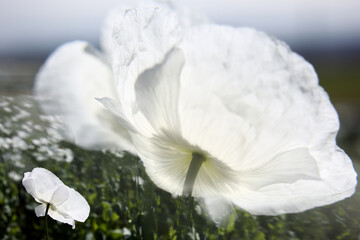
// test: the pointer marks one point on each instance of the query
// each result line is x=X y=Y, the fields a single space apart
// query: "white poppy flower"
x=227 y=114
x=67 y=85
x=66 y=204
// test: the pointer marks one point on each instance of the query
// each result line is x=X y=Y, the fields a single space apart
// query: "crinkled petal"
x=142 y=37
x=185 y=17
x=67 y=85
x=247 y=102
x=259 y=79
x=41 y=184
x=290 y=125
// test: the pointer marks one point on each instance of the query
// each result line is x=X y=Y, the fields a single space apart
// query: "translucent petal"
x=134 y=123
x=219 y=209
x=116 y=109
x=67 y=85
x=40 y=210
x=156 y=99
x=157 y=92
x=338 y=181
x=279 y=107
x=206 y=123
x=185 y=16
x=253 y=108
x=286 y=167
x=167 y=160
x=75 y=206
x=142 y=37
x=60 y=195
x=259 y=79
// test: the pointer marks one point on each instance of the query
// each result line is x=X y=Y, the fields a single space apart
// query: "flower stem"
x=46 y=224
x=195 y=164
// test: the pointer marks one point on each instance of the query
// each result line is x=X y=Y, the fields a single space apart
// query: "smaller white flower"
x=65 y=204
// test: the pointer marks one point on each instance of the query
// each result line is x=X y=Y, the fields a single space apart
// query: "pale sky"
x=36 y=27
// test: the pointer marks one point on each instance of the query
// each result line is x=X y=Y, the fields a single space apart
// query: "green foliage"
x=9 y=202
x=125 y=204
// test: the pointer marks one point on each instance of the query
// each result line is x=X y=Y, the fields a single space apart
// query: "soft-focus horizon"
x=325 y=32
x=33 y=29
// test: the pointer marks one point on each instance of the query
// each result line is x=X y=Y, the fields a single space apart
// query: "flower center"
x=194 y=167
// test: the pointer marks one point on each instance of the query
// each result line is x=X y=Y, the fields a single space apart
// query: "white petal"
x=156 y=99
x=259 y=79
x=143 y=37
x=219 y=209
x=286 y=167
x=275 y=96
x=29 y=184
x=68 y=83
x=338 y=181
x=116 y=109
x=40 y=210
x=185 y=17
x=167 y=160
x=61 y=218
x=41 y=184
x=75 y=206
x=207 y=123
x=60 y=195
x=157 y=93
x=134 y=123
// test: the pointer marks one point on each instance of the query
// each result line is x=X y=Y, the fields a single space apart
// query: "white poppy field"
x=179 y=128
x=124 y=202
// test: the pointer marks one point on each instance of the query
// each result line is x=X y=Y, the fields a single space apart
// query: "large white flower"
x=65 y=204
x=227 y=113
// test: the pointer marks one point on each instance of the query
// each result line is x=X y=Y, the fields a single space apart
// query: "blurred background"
x=325 y=32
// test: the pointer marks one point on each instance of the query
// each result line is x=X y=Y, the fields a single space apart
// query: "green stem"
x=195 y=164
x=46 y=224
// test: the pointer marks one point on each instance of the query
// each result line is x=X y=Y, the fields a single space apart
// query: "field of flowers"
x=124 y=203
x=179 y=128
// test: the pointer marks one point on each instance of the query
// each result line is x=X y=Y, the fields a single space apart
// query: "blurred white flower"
x=65 y=204
x=228 y=114
x=67 y=85
x=76 y=73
